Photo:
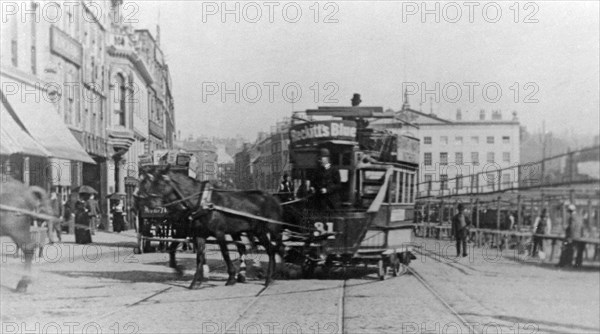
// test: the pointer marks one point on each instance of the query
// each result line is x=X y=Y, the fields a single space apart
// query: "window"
x=491 y=157
x=490 y=139
x=474 y=139
x=491 y=179
x=505 y=140
x=427 y=159
x=506 y=179
x=122 y=103
x=427 y=140
x=444 y=140
x=506 y=156
x=475 y=158
x=459 y=182
x=33 y=40
x=458 y=158
x=458 y=140
x=444 y=182
x=443 y=158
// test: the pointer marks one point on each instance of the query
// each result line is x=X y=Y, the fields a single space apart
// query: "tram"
x=377 y=159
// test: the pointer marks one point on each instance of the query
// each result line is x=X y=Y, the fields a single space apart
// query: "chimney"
x=458 y=114
x=482 y=115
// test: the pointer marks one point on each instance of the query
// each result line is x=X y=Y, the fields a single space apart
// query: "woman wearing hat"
x=327 y=183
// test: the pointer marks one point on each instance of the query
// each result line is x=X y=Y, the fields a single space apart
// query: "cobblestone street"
x=106 y=287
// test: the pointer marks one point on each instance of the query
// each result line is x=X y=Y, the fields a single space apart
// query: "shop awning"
x=43 y=123
x=14 y=140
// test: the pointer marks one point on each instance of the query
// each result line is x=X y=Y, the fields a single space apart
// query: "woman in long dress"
x=118 y=223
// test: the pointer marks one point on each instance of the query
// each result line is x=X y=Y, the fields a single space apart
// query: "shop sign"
x=323 y=130
x=65 y=46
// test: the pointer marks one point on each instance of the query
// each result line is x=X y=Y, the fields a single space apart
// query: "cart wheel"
x=137 y=250
x=381 y=268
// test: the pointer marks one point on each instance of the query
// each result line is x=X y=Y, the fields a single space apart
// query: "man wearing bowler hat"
x=327 y=182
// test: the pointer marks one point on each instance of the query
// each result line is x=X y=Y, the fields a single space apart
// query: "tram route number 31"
x=322 y=228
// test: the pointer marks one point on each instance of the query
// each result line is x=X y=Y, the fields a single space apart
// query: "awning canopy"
x=43 y=123
x=14 y=140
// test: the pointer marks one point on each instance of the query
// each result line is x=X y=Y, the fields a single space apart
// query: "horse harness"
x=205 y=206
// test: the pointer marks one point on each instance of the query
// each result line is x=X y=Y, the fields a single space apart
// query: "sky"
x=540 y=59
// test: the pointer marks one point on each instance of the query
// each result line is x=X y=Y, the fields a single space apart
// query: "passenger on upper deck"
x=327 y=183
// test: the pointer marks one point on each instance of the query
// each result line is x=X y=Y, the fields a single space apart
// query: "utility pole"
x=543 y=150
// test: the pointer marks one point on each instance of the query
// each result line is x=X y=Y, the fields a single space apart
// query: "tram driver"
x=327 y=183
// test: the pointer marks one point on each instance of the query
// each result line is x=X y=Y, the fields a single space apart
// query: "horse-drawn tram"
x=156 y=226
x=357 y=168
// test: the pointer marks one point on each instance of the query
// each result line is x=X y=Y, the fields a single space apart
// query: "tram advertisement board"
x=323 y=130
x=407 y=149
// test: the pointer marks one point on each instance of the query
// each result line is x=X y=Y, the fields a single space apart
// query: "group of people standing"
x=84 y=212
x=542 y=226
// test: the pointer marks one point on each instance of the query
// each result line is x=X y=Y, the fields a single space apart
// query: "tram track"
x=439 y=297
x=232 y=324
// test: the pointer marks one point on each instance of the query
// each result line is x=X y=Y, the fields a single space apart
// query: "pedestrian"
x=117 y=213
x=327 y=183
x=94 y=213
x=69 y=211
x=573 y=230
x=54 y=226
x=460 y=226
x=286 y=189
x=542 y=226
x=82 y=220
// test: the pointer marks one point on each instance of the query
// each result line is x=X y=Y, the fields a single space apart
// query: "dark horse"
x=17 y=225
x=160 y=187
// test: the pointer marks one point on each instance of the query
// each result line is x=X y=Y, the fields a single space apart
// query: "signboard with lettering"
x=65 y=46
x=145 y=159
x=323 y=130
x=408 y=149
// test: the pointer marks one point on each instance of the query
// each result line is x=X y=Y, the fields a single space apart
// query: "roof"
x=42 y=122
x=14 y=139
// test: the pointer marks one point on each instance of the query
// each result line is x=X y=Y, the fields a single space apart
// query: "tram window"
x=374 y=175
x=347 y=159
x=401 y=187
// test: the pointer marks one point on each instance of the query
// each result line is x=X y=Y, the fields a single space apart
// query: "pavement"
x=105 y=287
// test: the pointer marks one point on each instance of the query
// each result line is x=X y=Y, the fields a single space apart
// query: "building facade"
x=81 y=83
x=461 y=156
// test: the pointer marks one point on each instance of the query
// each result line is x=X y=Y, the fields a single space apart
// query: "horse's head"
x=155 y=187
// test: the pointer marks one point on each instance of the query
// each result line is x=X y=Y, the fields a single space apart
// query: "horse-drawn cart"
x=155 y=226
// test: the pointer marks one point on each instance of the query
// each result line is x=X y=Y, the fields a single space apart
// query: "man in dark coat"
x=327 y=183
x=460 y=226
x=573 y=230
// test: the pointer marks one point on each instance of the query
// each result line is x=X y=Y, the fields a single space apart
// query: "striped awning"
x=14 y=139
